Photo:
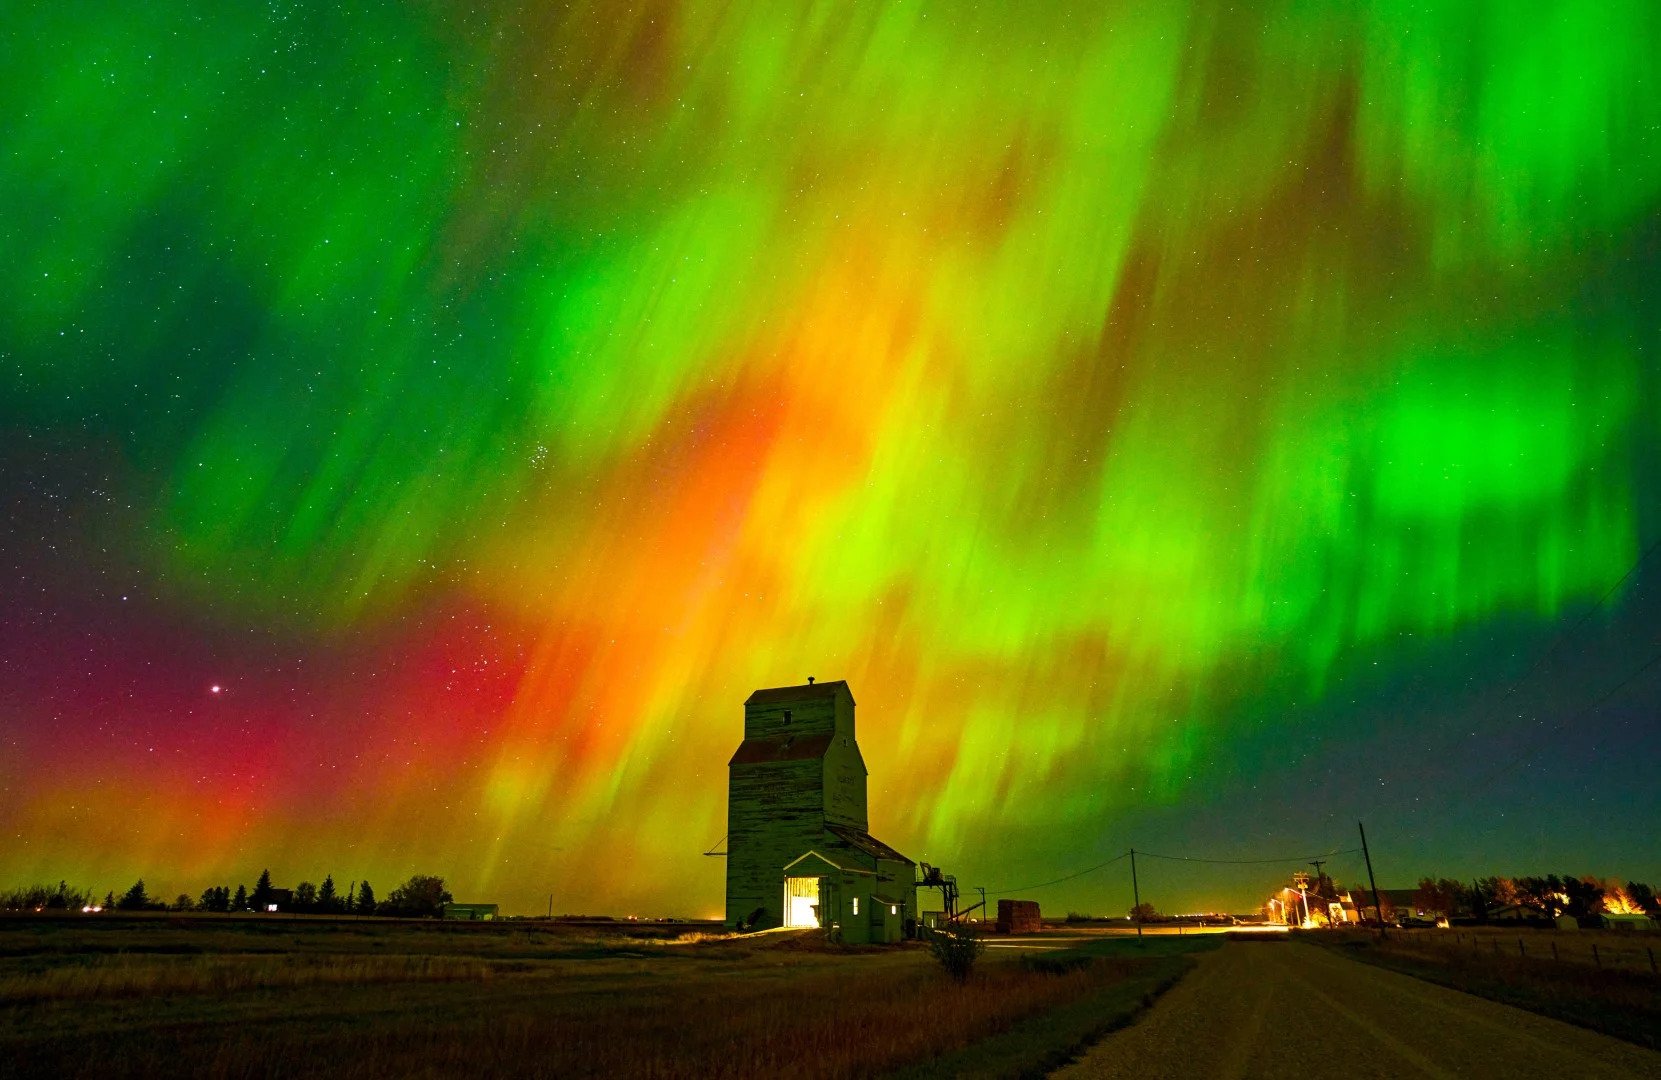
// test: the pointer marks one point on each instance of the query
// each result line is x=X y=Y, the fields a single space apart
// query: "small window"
x=893 y=909
x=787 y=716
x=856 y=905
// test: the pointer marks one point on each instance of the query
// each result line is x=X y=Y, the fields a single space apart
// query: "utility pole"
x=982 y=890
x=550 y=906
x=1378 y=905
x=1135 y=895
x=1317 y=864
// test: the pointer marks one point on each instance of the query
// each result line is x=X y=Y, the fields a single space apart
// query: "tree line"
x=1566 y=894
x=422 y=896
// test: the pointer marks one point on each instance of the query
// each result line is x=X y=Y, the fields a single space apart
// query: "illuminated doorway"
x=801 y=901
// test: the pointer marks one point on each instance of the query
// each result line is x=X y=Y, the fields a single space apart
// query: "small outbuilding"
x=1627 y=922
x=469 y=912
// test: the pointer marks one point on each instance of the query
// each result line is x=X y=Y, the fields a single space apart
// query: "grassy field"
x=228 y=997
x=1591 y=948
x=1613 y=990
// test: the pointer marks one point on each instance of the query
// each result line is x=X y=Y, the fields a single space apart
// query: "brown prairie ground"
x=1612 y=950
x=1554 y=973
x=225 y=997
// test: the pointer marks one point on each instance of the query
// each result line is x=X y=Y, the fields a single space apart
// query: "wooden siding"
x=775 y=812
x=778 y=809
x=812 y=712
x=845 y=783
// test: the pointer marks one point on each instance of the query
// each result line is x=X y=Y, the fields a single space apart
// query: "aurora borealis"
x=1180 y=424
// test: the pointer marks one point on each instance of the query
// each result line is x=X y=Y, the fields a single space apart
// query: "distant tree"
x=240 y=901
x=1498 y=891
x=422 y=896
x=1144 y=912
x=109 y=901
x=305 y=896
x=1426 y=897
x=1545 y=893
x=217 y=898
x=183 y=902
x=1441 y=896
x=1643 y=896
x=327 y=901
x=23 y=899
x=135 y=898
x=262 y=892
x=1585 y=896
x=366 y=900
x=59 y=897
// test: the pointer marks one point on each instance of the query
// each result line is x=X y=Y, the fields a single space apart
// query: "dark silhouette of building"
x=799 y=852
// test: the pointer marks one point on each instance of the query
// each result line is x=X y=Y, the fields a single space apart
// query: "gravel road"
x=1282 y=1008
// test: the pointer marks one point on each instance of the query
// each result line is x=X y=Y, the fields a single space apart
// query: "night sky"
x=1196 y=427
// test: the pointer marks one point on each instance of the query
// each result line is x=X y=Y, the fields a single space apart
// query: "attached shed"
x=799 y=850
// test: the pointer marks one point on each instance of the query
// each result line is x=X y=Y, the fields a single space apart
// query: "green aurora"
x=492 y=395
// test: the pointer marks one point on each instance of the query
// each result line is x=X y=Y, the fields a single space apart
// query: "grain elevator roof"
x=797 y=693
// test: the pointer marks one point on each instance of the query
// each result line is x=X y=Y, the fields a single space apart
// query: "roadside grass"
x=395 y=1000
x=1126 y=977
x=1624 y=1003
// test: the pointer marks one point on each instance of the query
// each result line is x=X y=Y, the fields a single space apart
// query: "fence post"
x=1554 y=950
x=1652 y=969
x=1596 y=959
x=1520 y=950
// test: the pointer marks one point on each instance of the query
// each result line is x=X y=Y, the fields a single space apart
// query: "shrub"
x=957 y=948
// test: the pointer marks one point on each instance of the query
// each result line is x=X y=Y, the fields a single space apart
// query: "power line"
x=1059 y=880
x=1580 y=714
x=1250 y=862
x=1172 y=858
x=1551 y=649
x=1586 y=616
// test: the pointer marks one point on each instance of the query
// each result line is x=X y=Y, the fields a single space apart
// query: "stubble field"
x=228 y=997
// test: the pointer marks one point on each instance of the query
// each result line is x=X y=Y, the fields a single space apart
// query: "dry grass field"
x=1556 y=973
x=225 y=997
x=1592 y=948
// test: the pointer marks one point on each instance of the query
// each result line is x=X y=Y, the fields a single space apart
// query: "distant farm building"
x=1517 y=913
x=799 y=852
x=1626 y=922
x=469 y=912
